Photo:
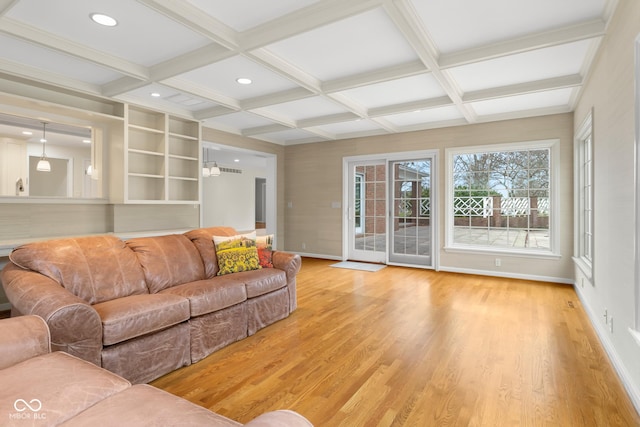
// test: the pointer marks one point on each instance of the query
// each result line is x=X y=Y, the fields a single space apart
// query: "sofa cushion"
x=144 y=405
x=95 y=269
x=265 y=250
x=138 y=315
x=202 y=239
x=206 y=296
x=56 y=387
x=236 y=253
x=262 y=281
x=167 y=260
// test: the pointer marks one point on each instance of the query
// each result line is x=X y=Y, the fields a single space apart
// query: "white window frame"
x=583 y=196
x=554 y=170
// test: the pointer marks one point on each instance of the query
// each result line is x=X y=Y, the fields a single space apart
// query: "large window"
x=584 y=197
x=500 y=198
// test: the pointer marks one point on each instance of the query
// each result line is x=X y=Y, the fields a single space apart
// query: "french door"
x=390 y=210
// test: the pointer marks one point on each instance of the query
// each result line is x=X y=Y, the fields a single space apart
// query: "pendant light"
x=215 y=170
x=43 y=163
x=205 y=170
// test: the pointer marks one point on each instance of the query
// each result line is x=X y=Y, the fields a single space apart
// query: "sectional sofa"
x=143 y=307
x=41 y=388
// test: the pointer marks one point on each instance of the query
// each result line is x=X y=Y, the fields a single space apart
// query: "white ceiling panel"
x=142 y=35
x=400 y=91
x=414 y=118
x=221 y=77
x=242 y=15
x=549 y=99
x=354 y=45
x=315 y=65
x=462 y=24
x=557 y=61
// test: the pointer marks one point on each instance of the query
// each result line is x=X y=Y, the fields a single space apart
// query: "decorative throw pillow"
x=265 y=250
x=236 y=253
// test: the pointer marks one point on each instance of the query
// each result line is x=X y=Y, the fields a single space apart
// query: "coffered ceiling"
x=321 y=70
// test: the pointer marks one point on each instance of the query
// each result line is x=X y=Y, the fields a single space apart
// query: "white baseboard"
x=508 y=275
x=605 y=339
x=5 y=306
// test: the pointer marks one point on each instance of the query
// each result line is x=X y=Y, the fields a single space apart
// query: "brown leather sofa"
x=146 y=306
x=41 y=388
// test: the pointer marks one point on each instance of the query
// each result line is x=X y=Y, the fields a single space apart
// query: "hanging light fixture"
x=215 y=170
x=205 y=170
x=43 y=163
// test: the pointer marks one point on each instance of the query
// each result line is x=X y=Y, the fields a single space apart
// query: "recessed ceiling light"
x=102 y=19
x=86 y=141
x=155 y=94
x=236 y=160
x=244 y=81
x=26 y=132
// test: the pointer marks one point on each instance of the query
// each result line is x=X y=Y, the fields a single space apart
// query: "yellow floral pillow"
x=236 y=253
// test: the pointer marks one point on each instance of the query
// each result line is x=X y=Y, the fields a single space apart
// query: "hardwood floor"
x=409 y=347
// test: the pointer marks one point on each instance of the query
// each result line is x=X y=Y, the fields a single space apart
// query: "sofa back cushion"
x=95 y=268
x=202 y=239
x=167 y=261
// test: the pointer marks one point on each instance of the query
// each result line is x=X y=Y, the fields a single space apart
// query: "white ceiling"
x=322 y=69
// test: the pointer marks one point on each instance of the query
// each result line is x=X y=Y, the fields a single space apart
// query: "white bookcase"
x=161 y=158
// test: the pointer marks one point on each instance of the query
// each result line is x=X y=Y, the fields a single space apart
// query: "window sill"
x=585 y=267
x=506 y=252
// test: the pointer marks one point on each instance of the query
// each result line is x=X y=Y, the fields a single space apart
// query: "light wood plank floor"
x=409 y=347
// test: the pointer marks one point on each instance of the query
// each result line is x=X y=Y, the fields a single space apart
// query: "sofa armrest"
x=22 y=338
x=281 y=418
x=288 y=262
x=74 y=325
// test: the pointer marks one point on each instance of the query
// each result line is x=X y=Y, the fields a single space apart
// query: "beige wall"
x=314 y=181
x=609 y=93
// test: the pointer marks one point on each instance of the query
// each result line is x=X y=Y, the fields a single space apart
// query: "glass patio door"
x=367 y=211
x=410 y=223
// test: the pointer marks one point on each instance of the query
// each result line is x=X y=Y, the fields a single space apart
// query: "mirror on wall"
x=39 y=158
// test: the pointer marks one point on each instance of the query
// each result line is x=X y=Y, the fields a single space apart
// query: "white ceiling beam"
x=405 y=18
x=560 y=36
x=385 y=124
x=37 y=74
x=303 y=20
x=274 y=117
x=50 y=41
x=276 y=98
x=377 y=76
x=326 y=120
x=201 y=92
x=319 y=132
x=190 y=61
x=406 y=107
x=6 y=5
x=276 y=127
x=211 y=112
x=278 y=65
x=122 y=85
x=524 y=114
x=523 y=88
x=196 y=20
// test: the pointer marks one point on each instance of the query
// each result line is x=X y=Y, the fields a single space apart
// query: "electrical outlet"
x=498 y=262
